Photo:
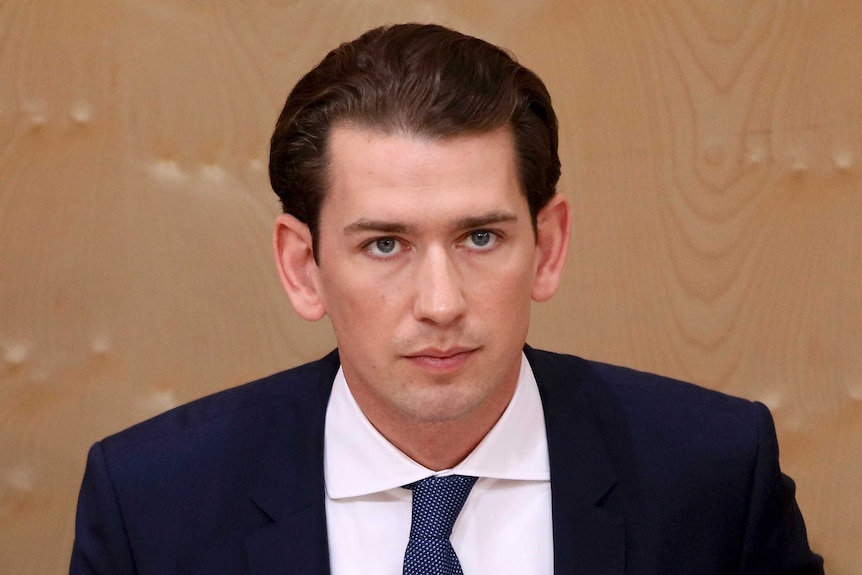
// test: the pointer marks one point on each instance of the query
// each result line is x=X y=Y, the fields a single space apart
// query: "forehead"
x=396 y=172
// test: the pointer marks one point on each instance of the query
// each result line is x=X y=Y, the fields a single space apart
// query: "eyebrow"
x=389 y=227
x=365 y=225
x=483 y=220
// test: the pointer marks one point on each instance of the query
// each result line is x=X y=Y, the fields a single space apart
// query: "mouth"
x=439 y=360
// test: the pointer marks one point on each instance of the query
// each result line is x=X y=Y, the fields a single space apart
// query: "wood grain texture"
x=712 y=152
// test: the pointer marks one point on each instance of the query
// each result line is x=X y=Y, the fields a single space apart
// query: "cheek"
x=364 y=306
x=509 y=281
x=501 y=300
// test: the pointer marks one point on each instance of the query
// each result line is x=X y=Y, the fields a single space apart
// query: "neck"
x=438 y=444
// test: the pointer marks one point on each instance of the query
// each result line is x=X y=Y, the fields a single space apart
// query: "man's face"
x=426 y=266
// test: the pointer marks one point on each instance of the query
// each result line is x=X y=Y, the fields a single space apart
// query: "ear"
x=296 y=266
x=553 y=227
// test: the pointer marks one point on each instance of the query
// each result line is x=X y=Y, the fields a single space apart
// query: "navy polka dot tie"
x=437 y=501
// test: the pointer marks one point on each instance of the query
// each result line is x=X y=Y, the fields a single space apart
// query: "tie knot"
x=437 y=501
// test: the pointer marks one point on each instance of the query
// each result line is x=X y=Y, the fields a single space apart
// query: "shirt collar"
x=358 y=460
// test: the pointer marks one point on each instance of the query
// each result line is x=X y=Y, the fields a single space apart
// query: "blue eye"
x=482 y=240
x=384 y=247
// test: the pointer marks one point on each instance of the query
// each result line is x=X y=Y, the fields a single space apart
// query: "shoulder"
x=652 y=408
x=251 y=410
x=684 y=459
x=575 y=374
x=182 y=487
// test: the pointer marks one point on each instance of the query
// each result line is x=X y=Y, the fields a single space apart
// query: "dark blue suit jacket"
x=648 y=476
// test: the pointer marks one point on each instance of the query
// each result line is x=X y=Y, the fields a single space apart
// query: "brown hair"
x=418 y=79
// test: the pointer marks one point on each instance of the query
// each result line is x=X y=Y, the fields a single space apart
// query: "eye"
x=481 y=240
x=383 y=247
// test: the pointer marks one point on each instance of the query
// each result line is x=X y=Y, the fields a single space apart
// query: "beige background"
x=711 y=152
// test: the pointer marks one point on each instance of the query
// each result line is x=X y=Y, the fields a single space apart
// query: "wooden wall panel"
x=711 y=152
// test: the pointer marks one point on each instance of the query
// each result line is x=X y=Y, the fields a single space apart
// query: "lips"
x=440 y=353
x=441 y=360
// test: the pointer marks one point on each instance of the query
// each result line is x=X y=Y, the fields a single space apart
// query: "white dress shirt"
x=505 y=525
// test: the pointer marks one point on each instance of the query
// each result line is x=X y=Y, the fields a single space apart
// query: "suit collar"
x=289 y=486
x=587 y=537
x=290 y=489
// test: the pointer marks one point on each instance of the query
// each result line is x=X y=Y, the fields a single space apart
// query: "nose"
x=439 y=296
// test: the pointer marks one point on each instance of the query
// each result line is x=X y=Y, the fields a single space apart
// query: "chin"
x=437 y=407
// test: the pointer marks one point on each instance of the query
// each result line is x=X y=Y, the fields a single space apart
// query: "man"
x=417 y=168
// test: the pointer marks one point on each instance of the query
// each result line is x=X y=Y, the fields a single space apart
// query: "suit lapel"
x=289 y=487
x=587 y=537
x=294 y=545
